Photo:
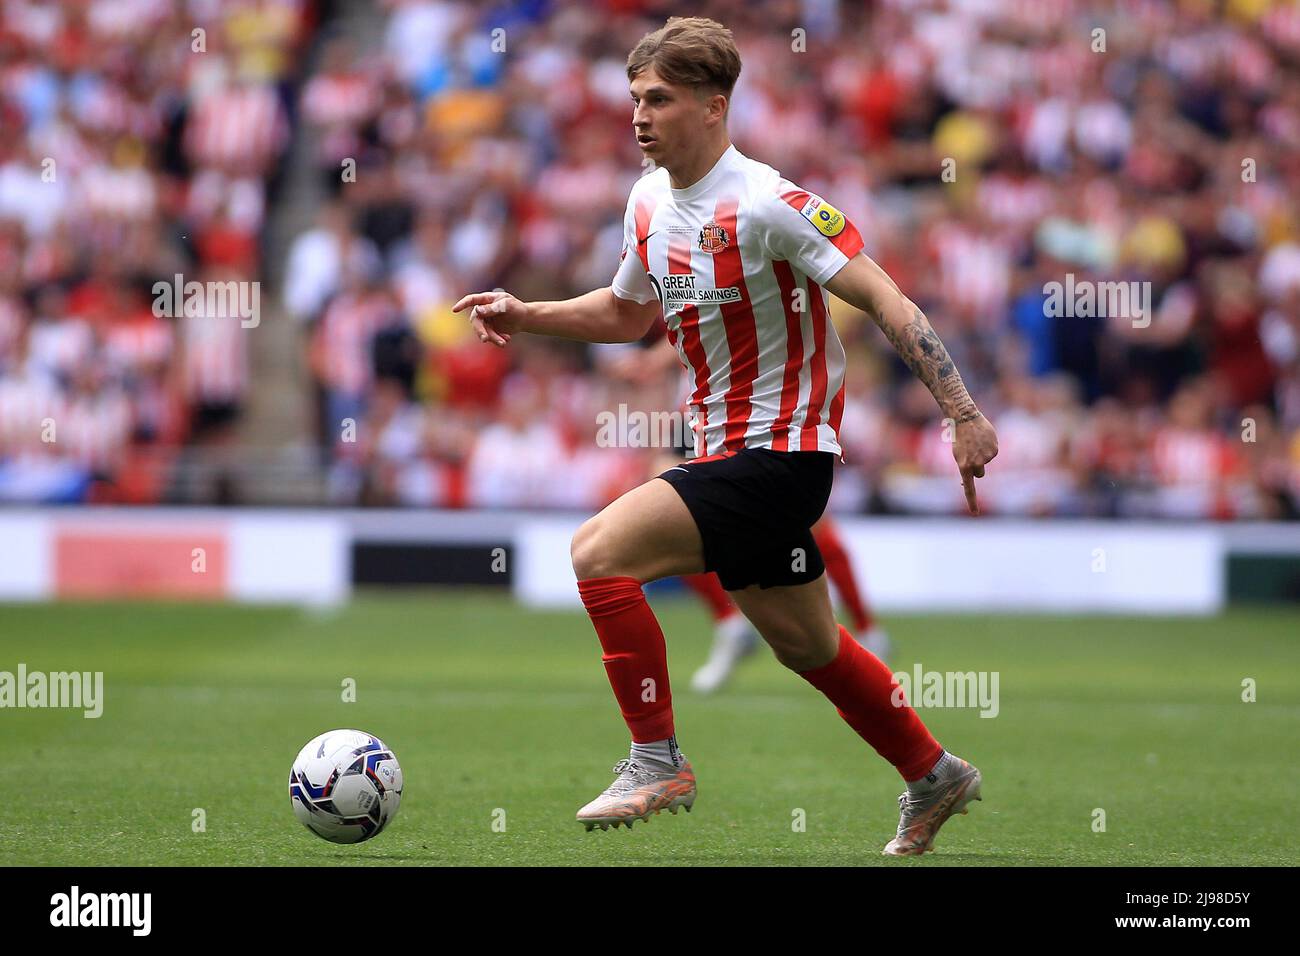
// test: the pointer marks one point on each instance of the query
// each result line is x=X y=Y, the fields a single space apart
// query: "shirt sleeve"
x=630 y=280
x=807 y=231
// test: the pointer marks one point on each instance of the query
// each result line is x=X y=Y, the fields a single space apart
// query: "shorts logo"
x=828 y=220
x=713 y=238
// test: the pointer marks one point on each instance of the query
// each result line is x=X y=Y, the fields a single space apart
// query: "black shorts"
x=755 y=510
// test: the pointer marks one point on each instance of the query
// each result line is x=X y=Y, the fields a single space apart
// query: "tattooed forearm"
x=920 y=347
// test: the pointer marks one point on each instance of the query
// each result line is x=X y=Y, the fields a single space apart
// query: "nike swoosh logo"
x=642 y=242
x=677 y=468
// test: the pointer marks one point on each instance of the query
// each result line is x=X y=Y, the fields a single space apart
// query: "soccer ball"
x=345 y=786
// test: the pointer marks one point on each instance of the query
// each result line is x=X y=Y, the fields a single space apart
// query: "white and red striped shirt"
x=215 y=358
x=239 y=125
x=738 y=261
x=345 y=339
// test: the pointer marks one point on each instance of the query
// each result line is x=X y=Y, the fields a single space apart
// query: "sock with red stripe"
x=863 y=691
x=636 y=660
x=840 y=569
x=709 y=589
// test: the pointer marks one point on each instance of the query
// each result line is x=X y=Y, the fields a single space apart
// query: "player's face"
x=665 y=116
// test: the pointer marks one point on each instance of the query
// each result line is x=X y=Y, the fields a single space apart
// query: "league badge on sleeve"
x=828 y=220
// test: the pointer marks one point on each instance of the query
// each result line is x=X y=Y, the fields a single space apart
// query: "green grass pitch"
x=491 y=707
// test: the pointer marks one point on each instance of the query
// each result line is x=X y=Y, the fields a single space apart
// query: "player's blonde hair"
x=689 y=51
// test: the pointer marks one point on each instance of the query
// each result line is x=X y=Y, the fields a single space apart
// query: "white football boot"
x=734 y=639
x=924 y=813
x=639 y=791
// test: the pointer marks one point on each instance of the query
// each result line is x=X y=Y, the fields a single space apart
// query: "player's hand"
x=494 y=316
x=974 y=445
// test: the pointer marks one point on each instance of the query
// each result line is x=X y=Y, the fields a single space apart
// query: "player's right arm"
x=598 y=316
x=622 y=312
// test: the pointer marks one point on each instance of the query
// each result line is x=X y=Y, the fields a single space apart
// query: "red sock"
x=862 y=690
x=634 y=653
x=840 y=569
x=709 y=589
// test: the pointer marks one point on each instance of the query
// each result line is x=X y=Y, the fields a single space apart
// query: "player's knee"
x=798 y=658
x=590 y=552
x=798 y=648
x=784 y=641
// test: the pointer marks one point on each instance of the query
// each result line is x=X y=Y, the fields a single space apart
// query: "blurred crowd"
x=983 y=149
x=141 y=139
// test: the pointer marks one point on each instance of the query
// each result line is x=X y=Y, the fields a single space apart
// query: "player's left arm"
x=865 y=285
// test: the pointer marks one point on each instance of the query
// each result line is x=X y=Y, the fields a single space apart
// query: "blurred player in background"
x=735 y=260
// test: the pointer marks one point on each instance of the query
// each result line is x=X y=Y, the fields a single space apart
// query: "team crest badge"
x=713 y=238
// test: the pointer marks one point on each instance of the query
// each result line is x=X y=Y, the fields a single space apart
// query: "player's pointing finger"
x=474 y=298
x=968 y=483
